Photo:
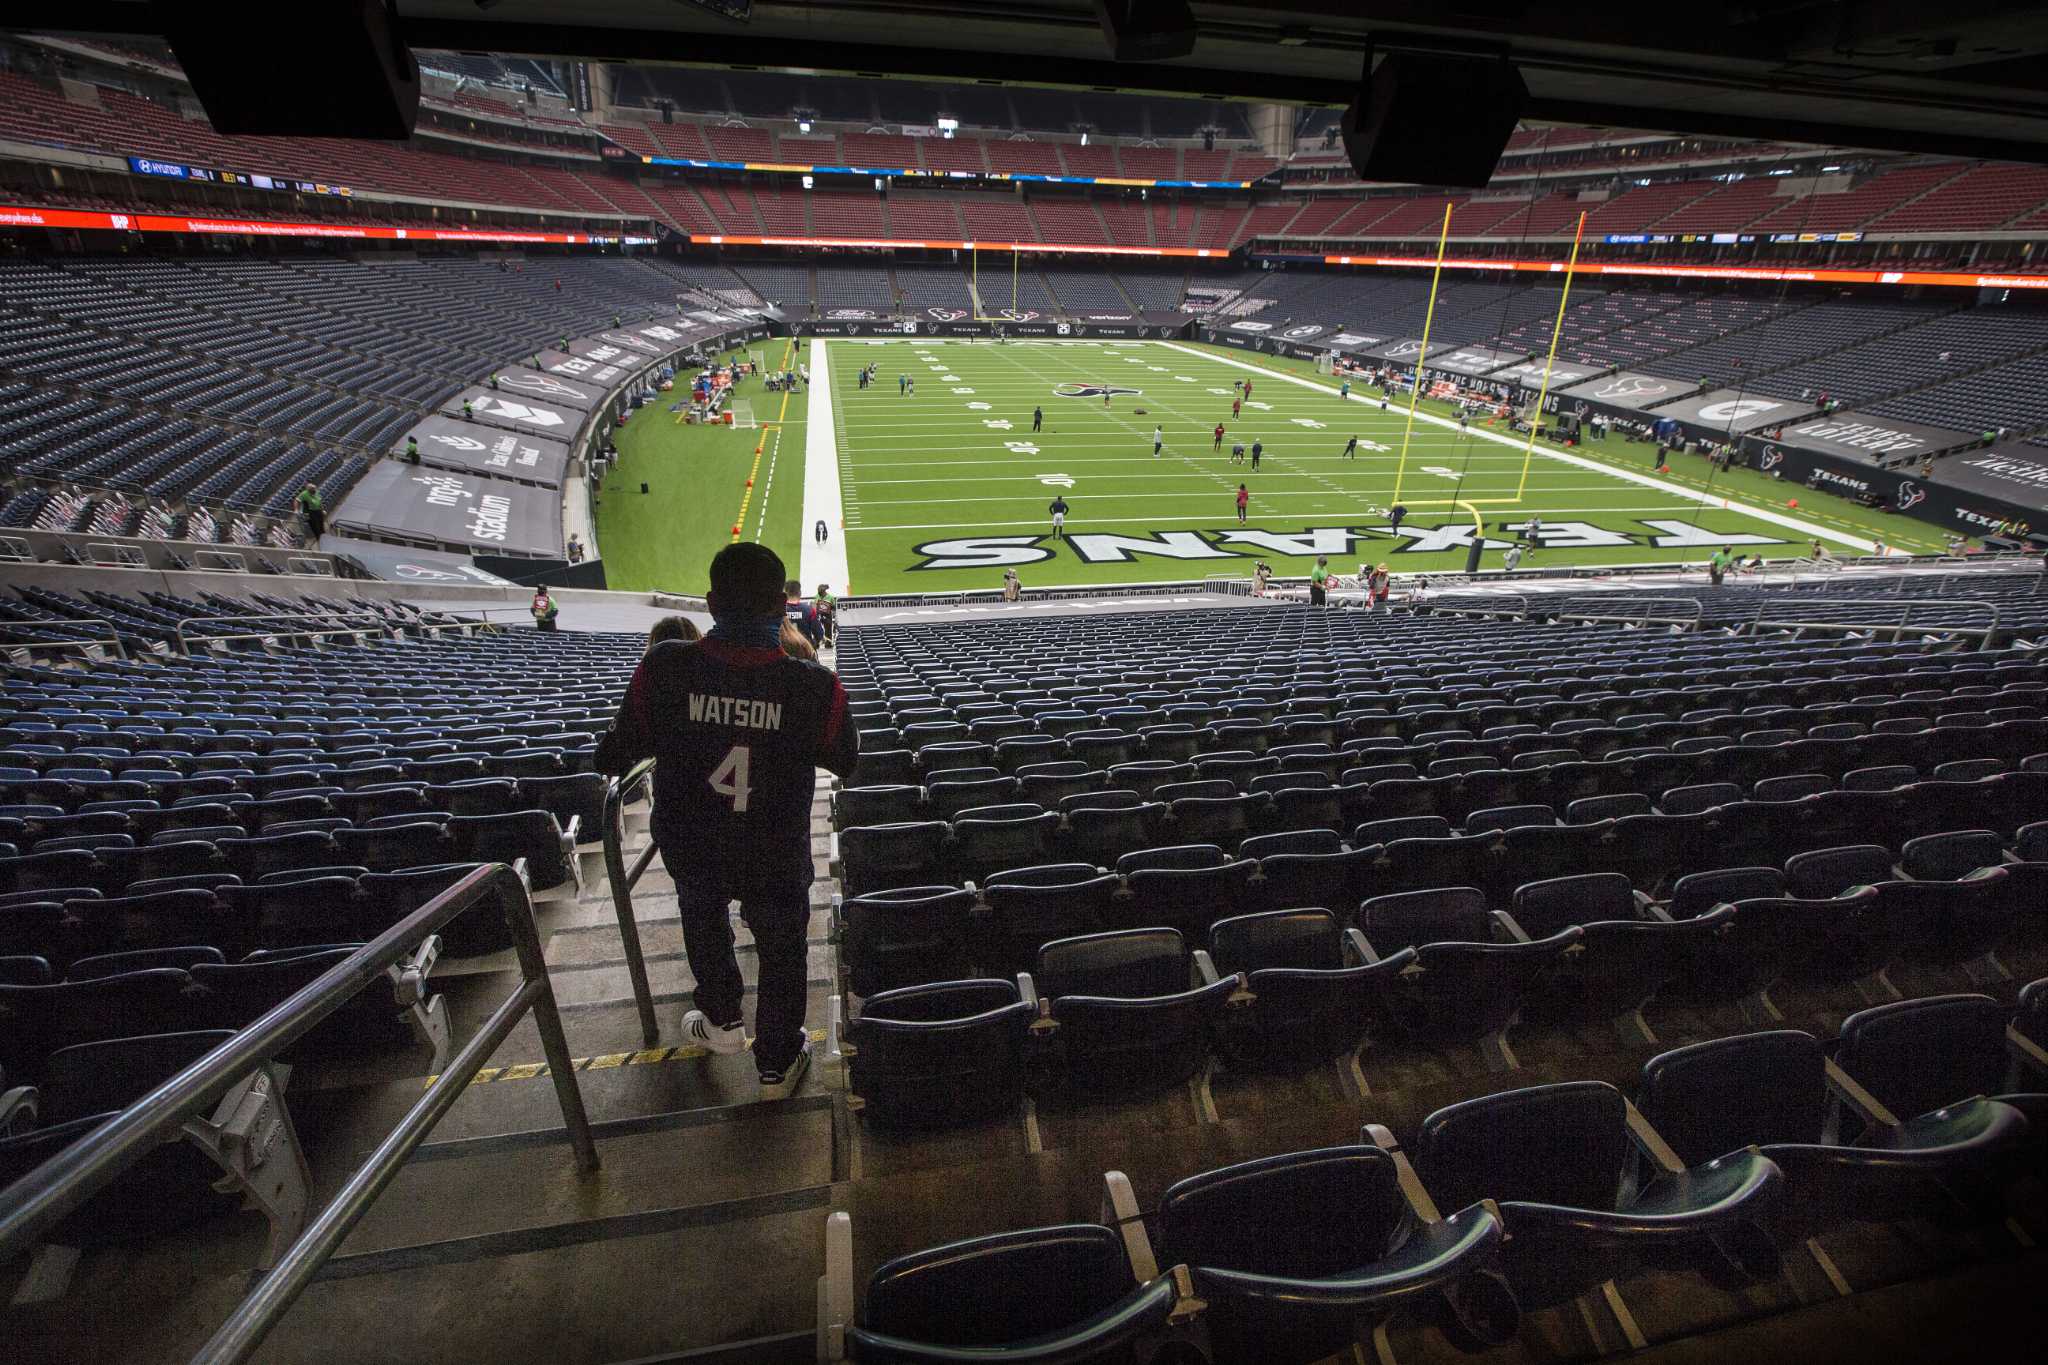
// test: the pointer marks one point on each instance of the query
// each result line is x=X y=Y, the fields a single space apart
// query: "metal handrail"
x=113 y=635
x=57 y=1188
x=617 y=793
x=377 y=625
x=1635 y=611
x=1904 y=608
x=1478 y=604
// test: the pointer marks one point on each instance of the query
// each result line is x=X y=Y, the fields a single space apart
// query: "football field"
x=946 y=486
x=943 y=488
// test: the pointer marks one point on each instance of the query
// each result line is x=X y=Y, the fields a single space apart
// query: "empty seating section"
x=847 y=286
x=1118 y=858
x=233 y=382
x=245 y=775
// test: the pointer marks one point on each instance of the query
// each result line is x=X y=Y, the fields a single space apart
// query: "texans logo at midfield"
x=1089 y=390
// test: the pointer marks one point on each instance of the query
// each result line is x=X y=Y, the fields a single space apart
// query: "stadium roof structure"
x=1966 y=77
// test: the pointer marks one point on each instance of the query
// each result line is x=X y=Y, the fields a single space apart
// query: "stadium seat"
x=1186 y=887
x=1774 y=1092
x=1054 y=1293
x=937 y=1055
x=1030 y=907
x=878 y=857
x=1300 y=1256
x=1133 y=1010
x=909 y=936
x=1555 y=1158
x=1472 y=973
x=245 y=1150
x=1316 y=989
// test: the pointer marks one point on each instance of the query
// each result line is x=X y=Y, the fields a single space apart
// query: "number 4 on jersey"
x=729 y=779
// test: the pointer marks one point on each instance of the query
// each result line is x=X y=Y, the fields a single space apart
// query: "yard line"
x=1221 y=523
x=1702 y=499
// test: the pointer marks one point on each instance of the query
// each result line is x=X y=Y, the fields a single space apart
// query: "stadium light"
x=803 y=125
x=1084 y=139
x=947 y=125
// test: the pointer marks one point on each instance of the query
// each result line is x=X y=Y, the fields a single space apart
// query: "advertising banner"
x=1970 y=494
x=1721 y=411
x=516 y=412
x=1851 y=436
x=473 y=448
x=456 y=511
x=401 y=564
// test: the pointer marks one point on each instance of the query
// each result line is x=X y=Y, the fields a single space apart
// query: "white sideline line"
x=1703 y=499
x=822 y=563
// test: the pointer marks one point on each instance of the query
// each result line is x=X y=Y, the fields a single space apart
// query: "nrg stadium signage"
x=1236 y=542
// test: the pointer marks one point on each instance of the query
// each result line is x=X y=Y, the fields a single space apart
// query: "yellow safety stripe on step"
x=527 y=1071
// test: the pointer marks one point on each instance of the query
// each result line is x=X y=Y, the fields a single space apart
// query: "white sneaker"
x=780 y=1085
x=699 y=1031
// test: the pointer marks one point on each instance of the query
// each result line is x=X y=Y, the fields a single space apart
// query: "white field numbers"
x=729 y=778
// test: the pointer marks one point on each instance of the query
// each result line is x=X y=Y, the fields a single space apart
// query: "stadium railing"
x=38 y=1201
x=1876 y=616
x=309 y=623
x=623 y=879
x=1623 y=609
x=112 y=639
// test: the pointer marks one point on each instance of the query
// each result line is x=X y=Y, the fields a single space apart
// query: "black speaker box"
x=1433 y=119
x=1147 y=30
x=315 y=68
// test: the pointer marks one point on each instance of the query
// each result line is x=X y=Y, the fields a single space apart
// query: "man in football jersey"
x=738 y=729
x=802 y=614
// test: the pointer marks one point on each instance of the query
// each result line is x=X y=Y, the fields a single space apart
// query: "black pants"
x=316 y=522
x=779 y=923
x=1035 y=421
x=1316 y=595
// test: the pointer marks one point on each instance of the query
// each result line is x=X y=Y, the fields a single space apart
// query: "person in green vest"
x=494 y=383
x=826 y=605
x=1718 y=565
x=1319 y=582
x=412 y=450
x=313 y=510
x=544 y=609
x=468 y=411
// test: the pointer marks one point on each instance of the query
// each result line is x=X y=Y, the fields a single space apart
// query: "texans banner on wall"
x=517 y=412
x=473 y=448
x=1969 y=494
x=458 y=511
x=607 y=373
x=1624 y=391
x=522 y=383
x=1470 y=360
x=1529 y=374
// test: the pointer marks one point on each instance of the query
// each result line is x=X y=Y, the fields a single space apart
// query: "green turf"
x=958 y=462
x=696 y=477
x=940 y=466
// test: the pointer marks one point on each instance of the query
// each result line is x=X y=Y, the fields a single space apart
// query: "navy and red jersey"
x=738 y=732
